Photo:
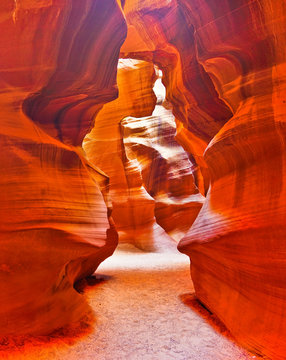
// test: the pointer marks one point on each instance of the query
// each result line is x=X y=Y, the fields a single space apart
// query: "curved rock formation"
x=224 y=68
x=236 y=244
x=231 y=65
x=198 y=109
x=167 y=173
x=133 y=207
x=136 y=153
x=56 y=73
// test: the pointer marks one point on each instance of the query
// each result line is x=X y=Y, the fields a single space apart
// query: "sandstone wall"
x=55 y=74
x=237 y=243
x=228 y=93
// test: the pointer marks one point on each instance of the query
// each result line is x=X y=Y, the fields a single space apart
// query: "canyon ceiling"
x=90 y=156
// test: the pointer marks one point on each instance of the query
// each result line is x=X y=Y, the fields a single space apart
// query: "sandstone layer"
x=55 y=74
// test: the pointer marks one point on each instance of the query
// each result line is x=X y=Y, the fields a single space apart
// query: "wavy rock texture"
x=56 y=73
x=232 y=61
x=167 y=172
x=224 y=71
x=133 y=207
x=135 y=152
x=154 y=33
x=237 y=243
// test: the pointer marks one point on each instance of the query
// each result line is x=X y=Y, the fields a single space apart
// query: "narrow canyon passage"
x=159 y=126
x=144 y=309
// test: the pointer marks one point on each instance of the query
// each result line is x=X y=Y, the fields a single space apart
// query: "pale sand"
x=144 y=309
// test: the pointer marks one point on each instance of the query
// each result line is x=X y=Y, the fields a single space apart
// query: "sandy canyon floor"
x=144 y=308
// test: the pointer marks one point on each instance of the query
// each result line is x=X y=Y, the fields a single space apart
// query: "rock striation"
x=55 y=74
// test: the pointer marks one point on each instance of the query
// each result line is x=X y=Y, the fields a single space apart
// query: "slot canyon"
x=143 y=207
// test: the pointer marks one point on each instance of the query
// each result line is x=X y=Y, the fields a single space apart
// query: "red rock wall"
x=55 y=73
x=154 y=35
x=232 y=92
x=236 y=244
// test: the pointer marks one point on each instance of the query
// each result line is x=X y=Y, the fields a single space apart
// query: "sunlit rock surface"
x=55 y=74
x=133 y=207
x=151 y=179
x=167 y=172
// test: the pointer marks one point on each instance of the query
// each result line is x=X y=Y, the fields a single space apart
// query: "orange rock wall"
x=154 y=33
x=232 y=60
x=55 y=74
x=237 y=242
